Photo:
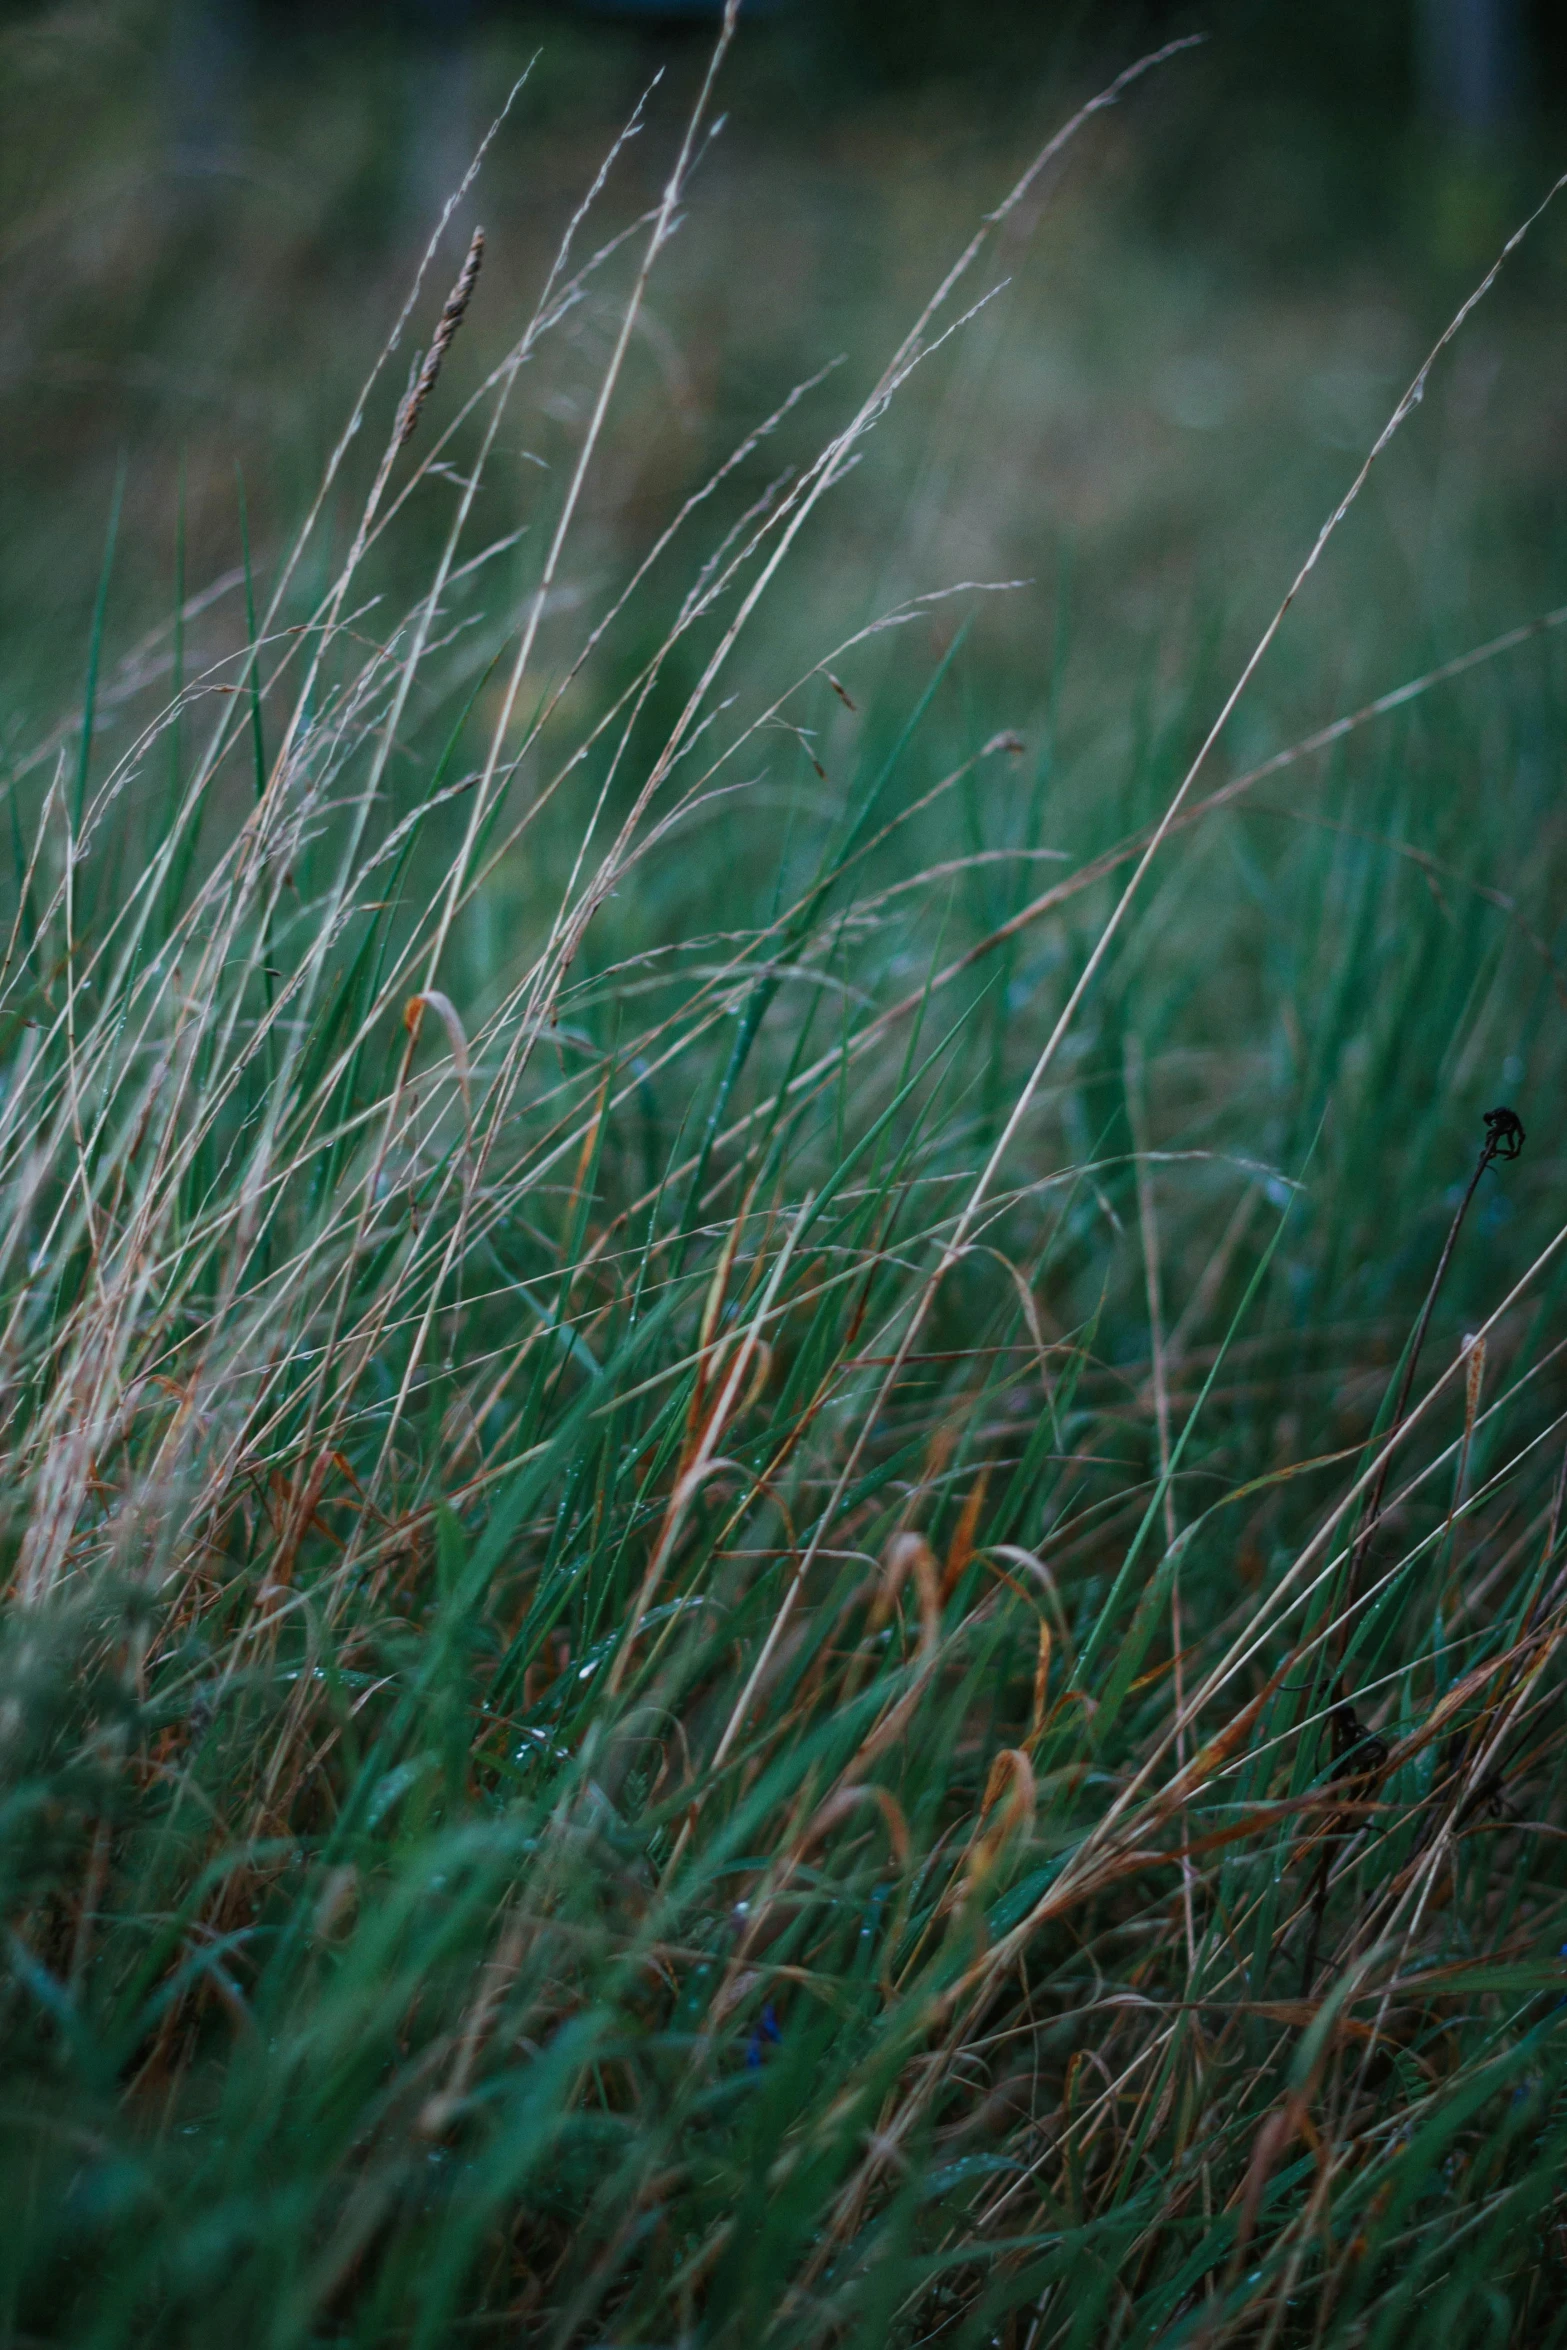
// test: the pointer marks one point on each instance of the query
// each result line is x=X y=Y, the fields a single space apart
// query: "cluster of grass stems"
x=693 y=1655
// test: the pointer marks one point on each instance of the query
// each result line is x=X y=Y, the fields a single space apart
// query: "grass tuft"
x=698 y=1470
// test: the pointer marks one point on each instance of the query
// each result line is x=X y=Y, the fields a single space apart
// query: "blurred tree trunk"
x=1471 y=61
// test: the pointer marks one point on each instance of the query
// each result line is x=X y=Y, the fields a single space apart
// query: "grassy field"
x=784 y=1507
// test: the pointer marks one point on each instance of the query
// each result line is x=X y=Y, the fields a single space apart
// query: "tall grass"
x=694 y=1358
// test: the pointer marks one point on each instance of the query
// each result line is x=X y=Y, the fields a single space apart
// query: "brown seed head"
x=451 y=319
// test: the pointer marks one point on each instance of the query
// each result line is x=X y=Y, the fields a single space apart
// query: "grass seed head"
x=450 y=320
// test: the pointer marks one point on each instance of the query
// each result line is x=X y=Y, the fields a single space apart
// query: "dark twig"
x=1357 y=1753
x=1504 y=1138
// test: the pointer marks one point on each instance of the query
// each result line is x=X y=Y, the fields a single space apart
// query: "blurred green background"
x=209 y=210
